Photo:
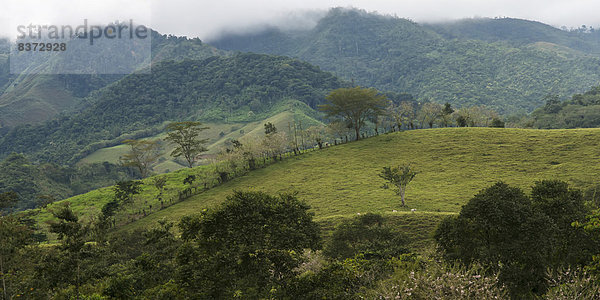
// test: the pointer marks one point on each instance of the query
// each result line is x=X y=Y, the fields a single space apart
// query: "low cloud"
x=207 y=19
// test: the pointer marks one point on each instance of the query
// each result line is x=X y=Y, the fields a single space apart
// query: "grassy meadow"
x=338 y=182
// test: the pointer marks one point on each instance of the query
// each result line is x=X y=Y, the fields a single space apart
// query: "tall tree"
x=186 y=137
x=429 y=113
x=399 y=177
x=447 y=114
x=355 y=105
x=407 y=113
x=73 y=235
x=13 y=236
x=142 y=155
x=501 y=229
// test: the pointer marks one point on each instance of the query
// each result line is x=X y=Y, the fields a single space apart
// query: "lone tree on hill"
x=185 y=135
x=355 y=105
x=399 y=177
x=142 y=155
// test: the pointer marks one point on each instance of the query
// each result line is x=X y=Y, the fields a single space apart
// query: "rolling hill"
x=35 y=98
x=509 y=65
x=453 y=164
x=238 y=89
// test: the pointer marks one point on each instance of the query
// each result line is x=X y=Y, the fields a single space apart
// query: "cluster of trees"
x=581 y=111
x=38 y=185
x=521 y=237
x=359 y=107
x=250 y=247
x=253 y=246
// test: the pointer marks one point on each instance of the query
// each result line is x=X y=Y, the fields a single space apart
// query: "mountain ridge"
x=395 y=54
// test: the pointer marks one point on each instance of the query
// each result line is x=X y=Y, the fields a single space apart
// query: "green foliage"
x=8 y=199
x=519 y=236
x=354 y=105
x=186 y=137
x=159 y=184
x=14 y=236
x=142 y=155
x=35 y=98
x=497 y=123
x=337 y=280
x=399 y=177
x=73 y=236
x=125 y=190
x=35 y=185
x=247 y=247
x=270 y=128
x=581 y=111
x=565 y=206
x=368 y=236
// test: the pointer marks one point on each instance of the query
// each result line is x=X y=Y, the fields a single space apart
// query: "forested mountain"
x=439 y=63
x=31 y=99
x=237 y=88
x=580 y=111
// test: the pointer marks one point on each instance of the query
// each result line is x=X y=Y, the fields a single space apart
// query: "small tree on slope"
x=399 y=177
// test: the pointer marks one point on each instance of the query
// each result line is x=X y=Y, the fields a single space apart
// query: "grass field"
x=453 y=164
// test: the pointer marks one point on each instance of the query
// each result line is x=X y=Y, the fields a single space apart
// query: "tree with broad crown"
x=142 y=155
x=249 y=247
x=355 y=105
x=399 y=177
x=185 y=135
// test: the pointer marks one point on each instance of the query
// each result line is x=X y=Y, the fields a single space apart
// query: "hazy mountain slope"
x=517 y=32
x=32 y=99
x=399 y=55
x=241 y=88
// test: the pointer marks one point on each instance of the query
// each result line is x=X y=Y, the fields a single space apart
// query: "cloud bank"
x=206 y=19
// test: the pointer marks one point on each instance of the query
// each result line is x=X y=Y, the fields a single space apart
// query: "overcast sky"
x=206 y=19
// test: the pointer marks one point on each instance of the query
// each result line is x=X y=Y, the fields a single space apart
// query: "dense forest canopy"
x=446 y=63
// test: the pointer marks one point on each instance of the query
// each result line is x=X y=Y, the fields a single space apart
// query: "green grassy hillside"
x=341 y=181
x=218 y=134
x=453 y=165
